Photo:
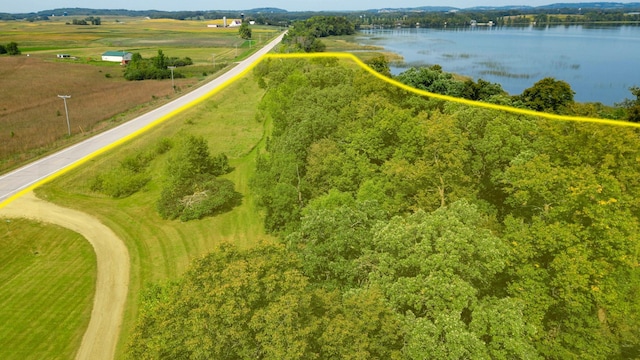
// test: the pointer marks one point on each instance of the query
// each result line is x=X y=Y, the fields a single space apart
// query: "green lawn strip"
x=161 y=250
x=47 y=283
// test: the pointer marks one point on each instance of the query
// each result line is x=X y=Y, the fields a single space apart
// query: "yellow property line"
x=455 y=99
x=347 y=56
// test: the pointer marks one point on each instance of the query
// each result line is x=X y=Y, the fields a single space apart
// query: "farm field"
x=48 y=283
x=32 y=117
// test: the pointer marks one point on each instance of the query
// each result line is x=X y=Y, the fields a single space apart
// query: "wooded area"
x=415 y=228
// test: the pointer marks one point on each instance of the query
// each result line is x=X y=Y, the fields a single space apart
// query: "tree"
x=548 y=94
x=482 y=90
x=438 y=269
x=245 y=31
x=380 y=64
x=160 y=61
x=256 y=303
x=432 y=79
x=633 y=105
x=12 y=48
x=335 y=231
x=191 y=189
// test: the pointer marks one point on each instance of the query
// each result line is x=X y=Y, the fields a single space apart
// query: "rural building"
x=63 y=56
x=117 y=56
x=224 y=22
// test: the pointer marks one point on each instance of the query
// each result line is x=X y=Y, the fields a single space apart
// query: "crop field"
x=48 y=282
x=33 y=118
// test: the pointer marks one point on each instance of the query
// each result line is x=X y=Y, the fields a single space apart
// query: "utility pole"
x=172 y=68
x=66 y=110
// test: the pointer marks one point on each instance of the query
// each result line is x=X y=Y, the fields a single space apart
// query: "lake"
x=600 y=63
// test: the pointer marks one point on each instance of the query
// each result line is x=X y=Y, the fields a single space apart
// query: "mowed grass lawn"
x=160 y=250
x=47 y=284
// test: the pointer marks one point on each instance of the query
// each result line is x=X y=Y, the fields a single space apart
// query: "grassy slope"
x=47 y=282
x=161 y=250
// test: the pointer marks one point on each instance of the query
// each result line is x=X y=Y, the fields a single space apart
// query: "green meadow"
x=47 y=282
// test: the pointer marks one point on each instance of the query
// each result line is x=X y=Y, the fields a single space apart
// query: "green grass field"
x=47 y=282
x=161 y=250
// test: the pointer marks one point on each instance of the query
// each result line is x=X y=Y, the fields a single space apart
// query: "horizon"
x=35 y=6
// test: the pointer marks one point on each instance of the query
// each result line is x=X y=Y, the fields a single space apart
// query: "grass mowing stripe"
x=46 y=304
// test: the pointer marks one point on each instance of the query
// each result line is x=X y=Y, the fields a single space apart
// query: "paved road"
x=25 y=177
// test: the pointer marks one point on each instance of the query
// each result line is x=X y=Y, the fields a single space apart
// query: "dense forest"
x=413 y=228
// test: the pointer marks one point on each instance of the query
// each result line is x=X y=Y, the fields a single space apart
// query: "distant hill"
x=421 y=8
x=271 y=11
x=592 y=5
x=267 y=10
x=554 y=6
x=149 y=13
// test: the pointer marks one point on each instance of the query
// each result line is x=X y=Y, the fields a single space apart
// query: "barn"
x=122 y=57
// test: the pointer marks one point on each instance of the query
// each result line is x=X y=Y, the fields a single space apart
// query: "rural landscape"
x=315 y=207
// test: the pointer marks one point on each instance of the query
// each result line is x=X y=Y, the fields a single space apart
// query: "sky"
x=26 y=6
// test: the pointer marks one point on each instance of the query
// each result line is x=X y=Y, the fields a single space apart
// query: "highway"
x=32 y=174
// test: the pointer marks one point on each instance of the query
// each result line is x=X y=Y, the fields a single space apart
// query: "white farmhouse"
x=122 y=57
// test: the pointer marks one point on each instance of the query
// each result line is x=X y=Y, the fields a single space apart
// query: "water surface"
x=600 y=63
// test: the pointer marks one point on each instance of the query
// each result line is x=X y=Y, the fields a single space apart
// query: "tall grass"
x=47 y=282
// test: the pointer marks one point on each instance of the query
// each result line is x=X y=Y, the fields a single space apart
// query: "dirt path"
x=112 y=285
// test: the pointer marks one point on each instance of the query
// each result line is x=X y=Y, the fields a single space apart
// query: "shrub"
x=220 y=165
x=192 y=190
x=119 y=183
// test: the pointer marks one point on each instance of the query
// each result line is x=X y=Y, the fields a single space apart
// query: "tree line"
x=86 y=21
x=154 y=68
x=510 y=17
x=304 y=35
x=413 y=228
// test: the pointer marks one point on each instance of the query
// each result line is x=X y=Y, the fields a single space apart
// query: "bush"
x=119 y=183
x=164 y=145
x=217 y=195
x=131 y=176
x=220 y=165
x=204 y=196
x=192 y=190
